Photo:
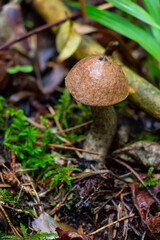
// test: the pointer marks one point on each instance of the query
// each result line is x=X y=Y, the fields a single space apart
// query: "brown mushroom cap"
x=97 y=81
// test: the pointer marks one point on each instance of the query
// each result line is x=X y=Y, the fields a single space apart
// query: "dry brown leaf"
x=55 y=78
x=12 y=26
x=141 y=152
x=70 y=235
x=16 y=97
x=46 y=223
x=84 y=29
x=147 y=208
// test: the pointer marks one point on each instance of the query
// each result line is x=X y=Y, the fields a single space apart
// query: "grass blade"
x=153 y=7
x=135 y=10
x=124 y=27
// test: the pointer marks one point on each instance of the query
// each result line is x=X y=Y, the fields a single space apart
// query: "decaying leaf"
x=147 y=208
x=12 y=26
x=70 y=235
x=84 y=29
x=46 y=223
x=55 y=78
x=141 y=152
x=67 y=41
x=16 y=97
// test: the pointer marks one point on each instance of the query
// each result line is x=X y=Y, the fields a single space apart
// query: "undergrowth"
x=21 y=139
x=37 y=236
x=65 y=112
x=149 y=181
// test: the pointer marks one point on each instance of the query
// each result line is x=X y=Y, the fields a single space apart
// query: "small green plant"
x=21 y=138
x=37 y=236
x=2 y=111
x=16 y=69
x=7 y=197
x=65 y=113
x=145 y=137
x=59 y=175
x=149 y=180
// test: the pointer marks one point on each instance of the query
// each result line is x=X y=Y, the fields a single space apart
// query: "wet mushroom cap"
x=97 y=81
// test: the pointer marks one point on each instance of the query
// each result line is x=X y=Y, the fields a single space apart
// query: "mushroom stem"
x=102 y=132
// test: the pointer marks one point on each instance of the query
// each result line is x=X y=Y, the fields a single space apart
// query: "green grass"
x=146 y=32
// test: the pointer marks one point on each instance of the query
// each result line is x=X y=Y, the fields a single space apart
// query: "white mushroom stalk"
x=99 y=82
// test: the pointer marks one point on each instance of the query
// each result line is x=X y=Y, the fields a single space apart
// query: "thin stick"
x=121 y=190
x=9 y=222
x=37 y=30
x=61 y=129
x=92 y=173
x=110 y=224
x=55 y=119
x=139 y=178
x=13 y=159
x=73 y=128
x=60 y=204
x=69 y=148
x=82 y=6
x=5 y=185
x=18 y=210
x=31 y=121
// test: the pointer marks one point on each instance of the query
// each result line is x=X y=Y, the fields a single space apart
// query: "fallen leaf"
x=70 y=235
x=67 y=41
x=55 y=78
x=16 y=97
x=47 y=224
x=141 y=152
x=147 y=208
x=12 y=26
x=84 y=29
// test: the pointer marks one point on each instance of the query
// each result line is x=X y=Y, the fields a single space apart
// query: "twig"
x=73 y=128
x=110 y=224
x=31 y=121
x=61 y=129
x=69 y=148
x=37 y=30
x=121 y=190
x=37 y=196
x=82 y=6
x=9 y=222
x=13 y=159
x=55 y=119
x=5 y=185
x=139 y=178
x=91 y=173
x=60 y=204
x=19 y=184
x=18 y=210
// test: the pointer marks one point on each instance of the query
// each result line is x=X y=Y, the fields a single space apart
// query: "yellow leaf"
x=67 y=41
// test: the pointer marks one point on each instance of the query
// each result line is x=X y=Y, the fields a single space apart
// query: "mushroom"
x=98 y=81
